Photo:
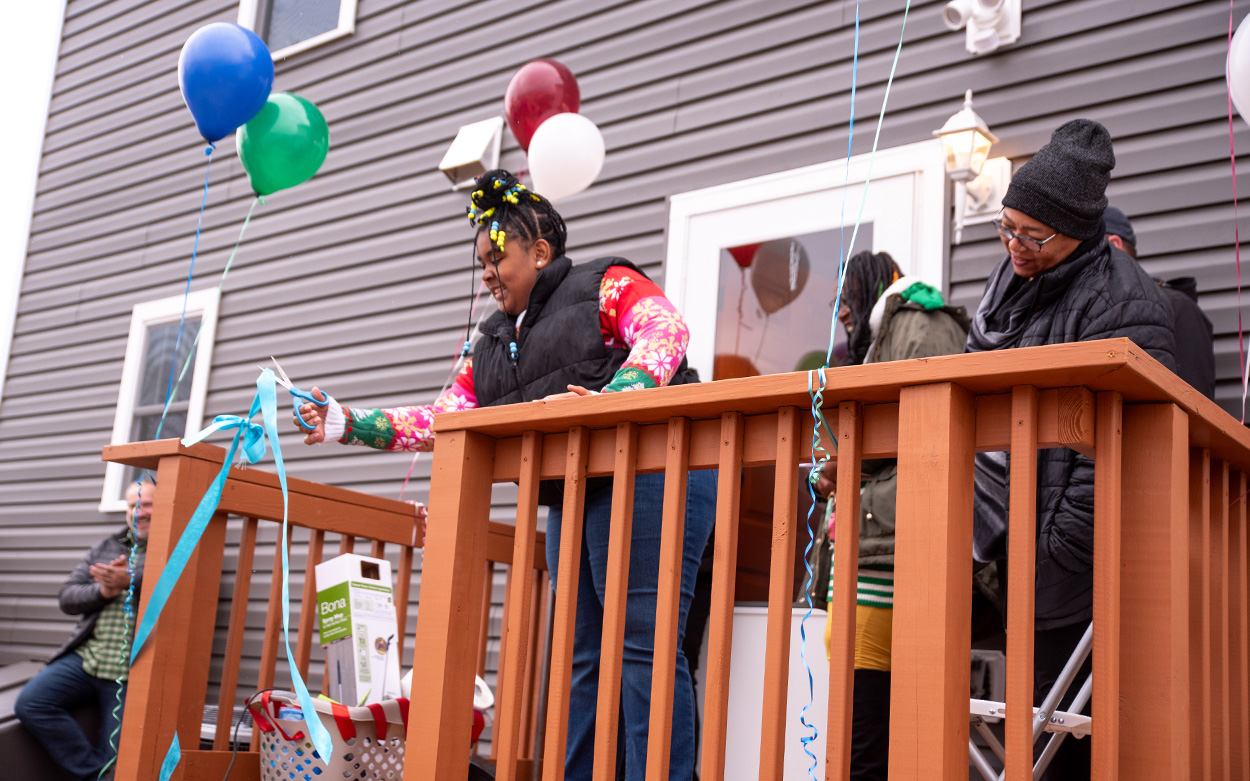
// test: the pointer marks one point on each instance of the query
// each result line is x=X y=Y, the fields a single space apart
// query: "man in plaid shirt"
x=94 y=663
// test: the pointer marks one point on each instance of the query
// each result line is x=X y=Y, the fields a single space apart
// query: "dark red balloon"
x=540 y=89
x=744 y=254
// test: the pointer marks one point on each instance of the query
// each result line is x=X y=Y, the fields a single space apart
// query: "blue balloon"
x=225 y=72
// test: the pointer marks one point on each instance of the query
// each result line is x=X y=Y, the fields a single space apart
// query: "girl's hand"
x=422 y=515
x=314 y=416
x=573 y=392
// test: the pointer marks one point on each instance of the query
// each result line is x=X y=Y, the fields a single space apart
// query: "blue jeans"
x=644 y=565
x=44 y=707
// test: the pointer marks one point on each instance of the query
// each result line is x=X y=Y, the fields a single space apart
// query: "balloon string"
x=763 y=336
x=846 y=183
x=182 y=318
x=456 y=358
x=742 y=291
x=872 y=157
x=258 y=200
x=1232 y=157
x=820 y=455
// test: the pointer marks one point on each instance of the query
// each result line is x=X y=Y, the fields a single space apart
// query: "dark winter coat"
x=560 y=343
x=1195 y=352
x=1097 y=293
x=80 y=594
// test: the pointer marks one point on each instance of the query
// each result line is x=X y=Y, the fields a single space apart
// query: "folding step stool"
x=1045 y=719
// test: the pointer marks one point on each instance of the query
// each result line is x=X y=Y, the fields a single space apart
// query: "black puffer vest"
x=560 y=344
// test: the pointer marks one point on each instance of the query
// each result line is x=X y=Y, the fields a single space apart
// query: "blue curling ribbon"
x=266 y=393
x=820 y=455
x=172 y=758
x=253 y=450
x=252 y=437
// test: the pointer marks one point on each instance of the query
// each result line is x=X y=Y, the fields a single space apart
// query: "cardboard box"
x=356 y=611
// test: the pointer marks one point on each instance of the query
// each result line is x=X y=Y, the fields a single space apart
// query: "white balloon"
x=565 y=155
x=1238 y=69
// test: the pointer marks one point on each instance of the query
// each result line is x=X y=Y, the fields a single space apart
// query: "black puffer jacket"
x=1097 y=293
x=560 y=342
x=80 y=594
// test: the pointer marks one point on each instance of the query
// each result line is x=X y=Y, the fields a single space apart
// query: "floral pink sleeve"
x=407 y=428
x=634 y=313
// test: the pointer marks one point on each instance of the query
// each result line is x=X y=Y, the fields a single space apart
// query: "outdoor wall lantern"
x=474 y=152
x=990 y=23
x=966 y=142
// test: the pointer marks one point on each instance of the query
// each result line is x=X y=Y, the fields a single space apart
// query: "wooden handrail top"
x=146 y=455
x=256 y=493
x=1105 y=365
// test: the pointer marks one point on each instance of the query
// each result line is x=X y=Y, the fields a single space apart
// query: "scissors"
x=297 y=395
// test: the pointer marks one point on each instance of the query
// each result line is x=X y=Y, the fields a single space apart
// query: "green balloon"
x=284 y=144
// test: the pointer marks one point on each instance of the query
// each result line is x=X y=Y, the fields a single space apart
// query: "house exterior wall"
x=358 y=280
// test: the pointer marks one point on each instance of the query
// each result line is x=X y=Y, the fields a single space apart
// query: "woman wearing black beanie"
x=1060 y=282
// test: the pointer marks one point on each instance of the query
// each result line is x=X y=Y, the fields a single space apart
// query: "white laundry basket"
x=368 y=741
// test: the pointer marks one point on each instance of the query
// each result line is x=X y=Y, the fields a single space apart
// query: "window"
x=752 y=265
x=291 y=26
x=153 y=351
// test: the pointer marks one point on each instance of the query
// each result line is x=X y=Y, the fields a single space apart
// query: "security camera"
x=990 y=23
x=957 y=13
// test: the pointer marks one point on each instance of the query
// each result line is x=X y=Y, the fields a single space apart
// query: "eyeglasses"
x=1028 y=242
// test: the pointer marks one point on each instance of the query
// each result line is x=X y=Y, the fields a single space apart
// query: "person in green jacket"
x=888 y=316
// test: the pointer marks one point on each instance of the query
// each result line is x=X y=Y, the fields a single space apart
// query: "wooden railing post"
x=720 y=616
x=1239 y=680
x=451 y=601
x=1022 y=552
x=842 y=606
x=780 y=598
x=568 y=571
x=668 y=600
x=932 y=590
x=169 y=676
x=1154 y=594
x=1217 y=598
x=1108 y=558
x=516 y=635
x=616 y=590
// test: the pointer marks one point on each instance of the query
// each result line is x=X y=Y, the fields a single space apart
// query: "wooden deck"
x=1170 y=699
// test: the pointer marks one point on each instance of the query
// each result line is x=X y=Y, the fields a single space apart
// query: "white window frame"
x=249 y=15
x=702 y=222
x=201 y=303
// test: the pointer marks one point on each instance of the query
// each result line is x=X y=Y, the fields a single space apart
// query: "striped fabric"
x=875 y=587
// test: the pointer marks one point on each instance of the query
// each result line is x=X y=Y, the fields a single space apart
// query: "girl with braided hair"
x=570 y=330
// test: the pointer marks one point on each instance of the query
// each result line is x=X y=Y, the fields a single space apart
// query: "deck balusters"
x=668 y=599
x=615 y=592
x=780 y=596
x=234 y=634
x=720 y=617
x=1021 y=728
x=1108 y=558
x=842 y=607
x=569 y=571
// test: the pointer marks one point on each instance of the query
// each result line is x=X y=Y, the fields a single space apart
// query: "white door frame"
x=806 y=200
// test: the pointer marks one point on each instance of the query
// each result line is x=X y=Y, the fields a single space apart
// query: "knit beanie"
x=1064 y=186
x=1118 y=225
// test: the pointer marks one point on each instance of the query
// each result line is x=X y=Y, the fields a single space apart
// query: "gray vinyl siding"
x=358 y=280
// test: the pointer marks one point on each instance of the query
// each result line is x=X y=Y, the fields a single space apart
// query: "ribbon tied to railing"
x=249 y=439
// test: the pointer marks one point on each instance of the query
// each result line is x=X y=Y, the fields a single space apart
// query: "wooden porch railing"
x=1170 y=696
x=169 y=680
